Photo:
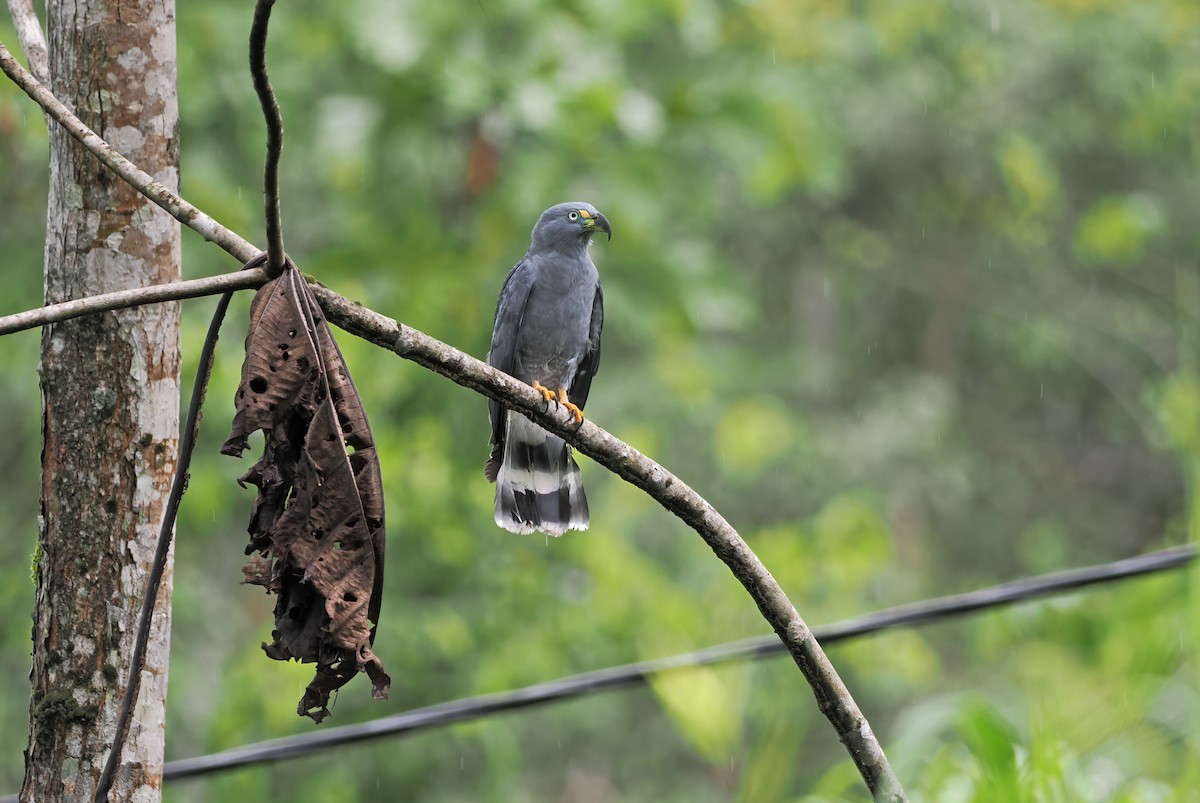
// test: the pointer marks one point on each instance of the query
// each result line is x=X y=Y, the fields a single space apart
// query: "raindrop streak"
x=995 y=20
x=1042 y=391
x=772 y=55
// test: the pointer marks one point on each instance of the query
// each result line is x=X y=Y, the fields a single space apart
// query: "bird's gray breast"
x=553 y=334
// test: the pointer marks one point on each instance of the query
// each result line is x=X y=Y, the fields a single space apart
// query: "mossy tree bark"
x=110 y=392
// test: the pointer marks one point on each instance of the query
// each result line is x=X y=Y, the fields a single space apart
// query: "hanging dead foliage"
x=316 y=529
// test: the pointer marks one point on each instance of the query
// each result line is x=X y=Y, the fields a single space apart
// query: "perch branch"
x=833 y=699
x=187 y=214
x=270 y=108
x=135 y=297
x=29 y=34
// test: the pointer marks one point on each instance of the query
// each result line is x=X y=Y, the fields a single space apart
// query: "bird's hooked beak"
x=598 y=222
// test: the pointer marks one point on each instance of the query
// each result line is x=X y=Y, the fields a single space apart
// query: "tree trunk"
x=110 y=395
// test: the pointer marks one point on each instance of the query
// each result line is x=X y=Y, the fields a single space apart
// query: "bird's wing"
x=502 y=354
x=590 y=364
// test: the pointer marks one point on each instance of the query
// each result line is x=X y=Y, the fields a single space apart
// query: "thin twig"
x=833 y=699
x=135 y=297
x=270 y=108
x=178 y=485
x=29 y=34
x=187 y=214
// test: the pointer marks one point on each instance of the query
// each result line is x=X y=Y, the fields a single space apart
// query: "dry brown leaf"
x=319 y=515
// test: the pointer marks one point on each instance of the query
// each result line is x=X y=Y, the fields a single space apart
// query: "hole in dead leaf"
x=349 y=597
x=258 y=385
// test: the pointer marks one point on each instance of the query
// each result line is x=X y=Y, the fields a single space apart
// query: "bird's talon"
x=547 y=394
x=574 y=410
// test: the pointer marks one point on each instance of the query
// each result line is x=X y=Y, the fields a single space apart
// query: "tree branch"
x=29 y=34
x=833 y=699
x=187 y=214
x=135 y=297
x=270 y=108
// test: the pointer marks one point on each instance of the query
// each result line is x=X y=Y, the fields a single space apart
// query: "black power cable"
x=639 y=674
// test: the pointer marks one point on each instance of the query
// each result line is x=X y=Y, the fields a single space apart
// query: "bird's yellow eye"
x=572 y=215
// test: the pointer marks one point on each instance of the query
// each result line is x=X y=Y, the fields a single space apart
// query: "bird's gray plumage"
x=546 y=330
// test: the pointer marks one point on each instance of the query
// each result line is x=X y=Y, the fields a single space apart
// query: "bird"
x=546 y=333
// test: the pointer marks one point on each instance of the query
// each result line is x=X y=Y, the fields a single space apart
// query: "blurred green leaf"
x=1114 y=231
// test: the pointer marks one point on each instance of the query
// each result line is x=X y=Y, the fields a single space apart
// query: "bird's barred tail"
x=538 y=486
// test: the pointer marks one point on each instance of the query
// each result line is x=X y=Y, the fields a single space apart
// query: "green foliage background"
x=907 y=289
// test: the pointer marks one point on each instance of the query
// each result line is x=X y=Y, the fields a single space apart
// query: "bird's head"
x=569 y=223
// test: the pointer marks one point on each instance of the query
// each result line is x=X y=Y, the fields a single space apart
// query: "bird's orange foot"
x=575 y=411
x=571 y=407
x=547 y=394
